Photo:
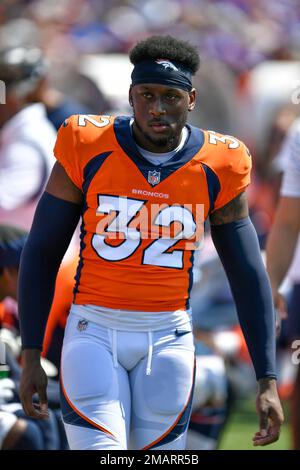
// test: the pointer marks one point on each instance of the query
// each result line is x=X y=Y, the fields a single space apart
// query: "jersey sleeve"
x=65 y=150
x=233 y=171
x=80 y=138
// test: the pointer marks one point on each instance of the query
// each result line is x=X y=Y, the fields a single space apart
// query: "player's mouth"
x=159 y=126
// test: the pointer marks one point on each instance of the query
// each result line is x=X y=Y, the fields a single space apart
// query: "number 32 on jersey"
x=124 y=211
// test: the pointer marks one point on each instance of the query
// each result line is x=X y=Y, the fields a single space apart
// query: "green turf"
x=243 y=424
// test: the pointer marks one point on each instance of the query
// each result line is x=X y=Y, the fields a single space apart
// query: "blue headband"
x=10 y=252
x=164 y=72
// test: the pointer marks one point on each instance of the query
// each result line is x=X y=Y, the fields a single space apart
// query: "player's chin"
x=160 y=141
x=167 y=138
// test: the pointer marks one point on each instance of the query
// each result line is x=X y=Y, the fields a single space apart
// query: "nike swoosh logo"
x=181 y=332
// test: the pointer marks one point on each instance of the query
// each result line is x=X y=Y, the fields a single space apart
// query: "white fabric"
x=150 y=353
x=288 y=161
x=7 y=421
x=7 y=387
x=197 y=441
x=26 y=142
x=128 y=320
x=210 y=382
x=136 y=408
x=114 y=348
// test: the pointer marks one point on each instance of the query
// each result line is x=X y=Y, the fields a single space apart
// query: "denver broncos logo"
x=166 y=64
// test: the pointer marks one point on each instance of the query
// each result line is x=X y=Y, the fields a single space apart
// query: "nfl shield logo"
x=82 y=325
x=153 y=177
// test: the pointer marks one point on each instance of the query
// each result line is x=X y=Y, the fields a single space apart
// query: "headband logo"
x=166 y=64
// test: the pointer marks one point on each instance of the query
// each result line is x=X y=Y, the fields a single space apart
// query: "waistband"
x=132 y=320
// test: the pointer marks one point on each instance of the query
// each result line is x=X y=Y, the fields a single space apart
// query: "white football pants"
x=125 y=389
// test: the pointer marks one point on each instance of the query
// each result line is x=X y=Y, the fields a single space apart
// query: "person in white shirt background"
x=283 y=254
x=26 y=136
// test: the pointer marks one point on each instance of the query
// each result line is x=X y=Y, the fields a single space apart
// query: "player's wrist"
x=265 y=383
x=31 y=356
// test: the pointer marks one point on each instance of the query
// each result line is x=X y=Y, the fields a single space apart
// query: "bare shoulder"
x=61 y=186
x=236 y=209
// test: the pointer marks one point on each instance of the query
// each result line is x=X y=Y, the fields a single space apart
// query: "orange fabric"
x=232 y=165
x=9 y=314
x=62 y=300
x=76 y=145
x=133 y=282
x=243 y=352
x=2 y=312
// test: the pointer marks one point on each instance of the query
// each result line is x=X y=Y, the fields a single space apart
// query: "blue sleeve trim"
x=213 y=185
x=53 y=226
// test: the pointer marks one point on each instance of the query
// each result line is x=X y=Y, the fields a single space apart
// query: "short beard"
x=162 y=141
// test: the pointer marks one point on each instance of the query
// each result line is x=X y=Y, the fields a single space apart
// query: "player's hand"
x=33 y=380
x=269 y=412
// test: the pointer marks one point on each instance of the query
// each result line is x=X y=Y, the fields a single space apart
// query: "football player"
x=143 y=186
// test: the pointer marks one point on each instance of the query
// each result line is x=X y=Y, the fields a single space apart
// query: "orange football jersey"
x=141 y=223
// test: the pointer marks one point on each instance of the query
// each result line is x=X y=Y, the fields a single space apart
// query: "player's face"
x=160 y=113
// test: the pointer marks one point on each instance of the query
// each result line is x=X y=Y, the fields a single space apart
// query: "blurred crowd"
x=249 y=51
x=240 y=33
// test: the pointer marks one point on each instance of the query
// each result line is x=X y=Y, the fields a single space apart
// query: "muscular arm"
x=55 y=220
x=283 y=239
x=235 y=210
x=60 y=185
x=236 y=242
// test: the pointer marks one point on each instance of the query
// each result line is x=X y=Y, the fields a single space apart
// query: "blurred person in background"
x=12 y=240
x=283 y=254
x=75 y=95
x=224 y=373
x=17 y=433
x=26 y=136
x=112 y=300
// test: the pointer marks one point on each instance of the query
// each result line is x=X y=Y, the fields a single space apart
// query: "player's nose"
x=156 y=107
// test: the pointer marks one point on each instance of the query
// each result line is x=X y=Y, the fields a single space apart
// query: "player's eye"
x=147 y=95
x=172 y=98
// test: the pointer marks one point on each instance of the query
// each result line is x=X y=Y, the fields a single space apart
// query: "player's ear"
x=130 y=96
x=192 y=100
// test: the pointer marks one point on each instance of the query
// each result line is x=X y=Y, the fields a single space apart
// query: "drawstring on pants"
x=115 y=348
x=115 y=351
x=150 y=352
